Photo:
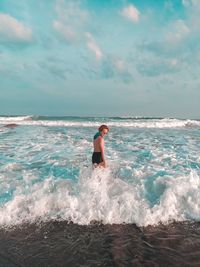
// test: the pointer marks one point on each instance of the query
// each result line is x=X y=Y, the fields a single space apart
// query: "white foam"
x=180 y=201
x=12 y=167
x=152 y=123
x=101 y=196
x=13 y=119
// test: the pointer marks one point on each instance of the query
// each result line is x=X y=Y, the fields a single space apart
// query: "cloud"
x=67 y=32
x=131 y=13
x=186 y=3
x=193 y=19
x=158 y=66
x=11 y=30
x=92 y=45
x=178 y=31
x=177 y=49
x=71 y=11
x=169 y=6
x=115 y=68
x=71 y=25
x=194 y=4
x=71 y=20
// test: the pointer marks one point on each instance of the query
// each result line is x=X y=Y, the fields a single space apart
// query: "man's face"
x=104 y=132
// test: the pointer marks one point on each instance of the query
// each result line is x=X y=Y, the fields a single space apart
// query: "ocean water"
x=46 y=173
x=46 y=176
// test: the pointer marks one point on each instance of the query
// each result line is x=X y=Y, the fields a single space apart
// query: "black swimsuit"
x=96 y=156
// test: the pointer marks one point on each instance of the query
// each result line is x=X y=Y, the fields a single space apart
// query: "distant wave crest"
x=89 y=122
x=11 y=119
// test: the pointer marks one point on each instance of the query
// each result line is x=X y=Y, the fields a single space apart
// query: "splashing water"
x=46 y=174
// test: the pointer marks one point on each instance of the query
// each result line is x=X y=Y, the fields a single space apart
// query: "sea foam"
x=101 y=196
x=46 y=174
x=135 y=123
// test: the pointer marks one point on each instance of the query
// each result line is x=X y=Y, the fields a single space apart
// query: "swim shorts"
x=96 y=157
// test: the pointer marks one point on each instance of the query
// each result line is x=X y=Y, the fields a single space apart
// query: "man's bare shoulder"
x=101 y=139
x=98 y=139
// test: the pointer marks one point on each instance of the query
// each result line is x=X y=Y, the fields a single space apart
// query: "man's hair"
x=103 y=126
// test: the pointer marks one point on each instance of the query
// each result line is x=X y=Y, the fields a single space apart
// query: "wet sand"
x=67 y=244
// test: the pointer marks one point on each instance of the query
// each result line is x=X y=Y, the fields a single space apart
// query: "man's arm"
x=102 y=152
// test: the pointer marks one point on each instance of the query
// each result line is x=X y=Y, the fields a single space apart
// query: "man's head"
x=103 y=129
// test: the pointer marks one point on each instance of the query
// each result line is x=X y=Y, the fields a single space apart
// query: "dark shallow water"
x=62 y=244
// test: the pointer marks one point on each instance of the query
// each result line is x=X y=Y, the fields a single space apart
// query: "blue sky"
x=100 y=57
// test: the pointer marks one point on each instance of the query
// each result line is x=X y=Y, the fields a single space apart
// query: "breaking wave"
x=95 y=122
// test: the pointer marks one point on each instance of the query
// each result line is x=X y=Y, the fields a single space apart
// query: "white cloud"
x=13 y=30
x=169 y=5
x=71 y=24
x=185 y=32
x=115 y=68
x=193 y=18
x=174 y=62
x=131 y=13
x=178 y=31
x=155 y=66
x=191 y=3
x=71 y=12
x=93 y=46
x=119 y=64
x=186 y=3
x=67 y=32
x=71 y=19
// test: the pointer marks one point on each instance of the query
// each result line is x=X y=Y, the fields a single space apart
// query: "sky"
x=100 y=58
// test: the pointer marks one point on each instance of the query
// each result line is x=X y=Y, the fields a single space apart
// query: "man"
x=98 y=156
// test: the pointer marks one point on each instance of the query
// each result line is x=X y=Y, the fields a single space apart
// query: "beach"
x=67 y=244
x=143 y=210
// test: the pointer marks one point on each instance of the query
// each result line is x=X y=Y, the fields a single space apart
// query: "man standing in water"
x=98 y=156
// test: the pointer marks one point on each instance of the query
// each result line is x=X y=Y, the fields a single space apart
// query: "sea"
x=57 y=210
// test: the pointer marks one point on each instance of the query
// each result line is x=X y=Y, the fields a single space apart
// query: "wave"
x=9 y=119
x=95 y=122
x=101 y=196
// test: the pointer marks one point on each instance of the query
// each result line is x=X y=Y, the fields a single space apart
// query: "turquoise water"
x=153 y=170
